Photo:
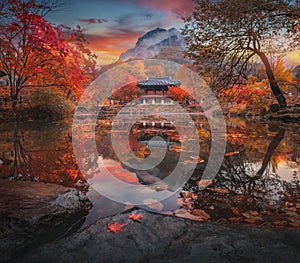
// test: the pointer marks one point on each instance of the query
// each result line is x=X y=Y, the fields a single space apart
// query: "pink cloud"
x=180 y=8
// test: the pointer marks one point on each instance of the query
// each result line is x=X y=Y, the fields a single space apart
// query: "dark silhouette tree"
x=225 y=36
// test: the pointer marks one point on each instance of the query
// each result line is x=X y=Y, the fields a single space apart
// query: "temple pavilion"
x=156 y=90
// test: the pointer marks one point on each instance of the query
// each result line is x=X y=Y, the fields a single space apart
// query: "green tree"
x=224 y=36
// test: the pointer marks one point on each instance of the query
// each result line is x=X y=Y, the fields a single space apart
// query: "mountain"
x=151 y=43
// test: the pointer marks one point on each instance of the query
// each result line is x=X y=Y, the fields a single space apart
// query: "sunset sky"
x=113 y=26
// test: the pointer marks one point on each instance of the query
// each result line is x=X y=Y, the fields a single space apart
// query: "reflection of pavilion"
x=159 y=144
x=156 y=90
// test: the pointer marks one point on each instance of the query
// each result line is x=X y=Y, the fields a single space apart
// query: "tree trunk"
x=273 y=82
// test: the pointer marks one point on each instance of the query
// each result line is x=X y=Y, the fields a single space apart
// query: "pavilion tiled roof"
x=154 y=82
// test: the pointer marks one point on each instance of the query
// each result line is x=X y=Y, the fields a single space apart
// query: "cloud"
x=180 y=8
x=91 y=21
x=113 y=42
x=109 y=46
x=133 y=18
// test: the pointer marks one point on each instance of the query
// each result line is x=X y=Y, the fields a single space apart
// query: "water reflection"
x=258 y=182
x=39 y=152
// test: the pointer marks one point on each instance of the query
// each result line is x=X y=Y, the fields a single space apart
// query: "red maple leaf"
x=115 y=227
x=136 y=217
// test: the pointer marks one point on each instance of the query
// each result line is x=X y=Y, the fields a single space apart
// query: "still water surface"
x=258 y=182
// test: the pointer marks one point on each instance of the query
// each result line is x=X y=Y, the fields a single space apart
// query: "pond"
x=257 y=183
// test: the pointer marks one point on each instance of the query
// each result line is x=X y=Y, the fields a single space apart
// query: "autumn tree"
x=35 y=53
x=225 y=36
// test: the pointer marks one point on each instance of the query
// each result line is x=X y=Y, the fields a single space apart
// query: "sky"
x=113 y=26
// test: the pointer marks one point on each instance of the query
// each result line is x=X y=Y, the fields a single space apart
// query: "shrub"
x=49 y=104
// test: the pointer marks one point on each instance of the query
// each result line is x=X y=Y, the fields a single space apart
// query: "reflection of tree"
x=20 y=162
x=39 y=153
x=238 y=173
x=243 y=192
x=270 y=151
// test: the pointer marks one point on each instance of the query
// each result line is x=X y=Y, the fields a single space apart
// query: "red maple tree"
x=35 y=53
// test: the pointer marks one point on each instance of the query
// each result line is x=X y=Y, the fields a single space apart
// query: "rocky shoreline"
x=41 y=223
x=161 y=238
x=33 y=213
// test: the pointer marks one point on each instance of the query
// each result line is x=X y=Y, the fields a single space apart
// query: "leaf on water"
x=235 y=219
x=219 y=190
x=201 y=213
x=288 y=204
x=204 y=183
x=235 y=210
x=294 y=224
x=246 y=214
x=153 y=204
x=187 y=194
x=136 y=217
x=279 y=222
x=254 y=213
x=252 y=220
x=185 y=214
x=231 y=154
x=293 y=215
x=292 y=209
x=115 y=227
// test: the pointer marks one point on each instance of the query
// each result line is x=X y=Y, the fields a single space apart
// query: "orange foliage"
x=136 y=217
x=39 y=54
x=115 y=227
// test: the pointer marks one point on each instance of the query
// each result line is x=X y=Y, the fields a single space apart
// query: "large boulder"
x=33 y=213
x=162 y=238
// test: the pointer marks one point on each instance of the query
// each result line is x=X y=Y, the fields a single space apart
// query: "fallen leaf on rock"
x=298 y=205
x=115 y=227
x=136 y=217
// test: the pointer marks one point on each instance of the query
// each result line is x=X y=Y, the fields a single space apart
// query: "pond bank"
x=289 y=114
x=161 y=238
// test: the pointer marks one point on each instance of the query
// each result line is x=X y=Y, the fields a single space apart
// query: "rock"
x=161 y=238
x=33 y=213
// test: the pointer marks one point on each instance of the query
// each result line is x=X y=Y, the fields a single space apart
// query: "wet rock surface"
x=161 y=238
x=33 y=213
